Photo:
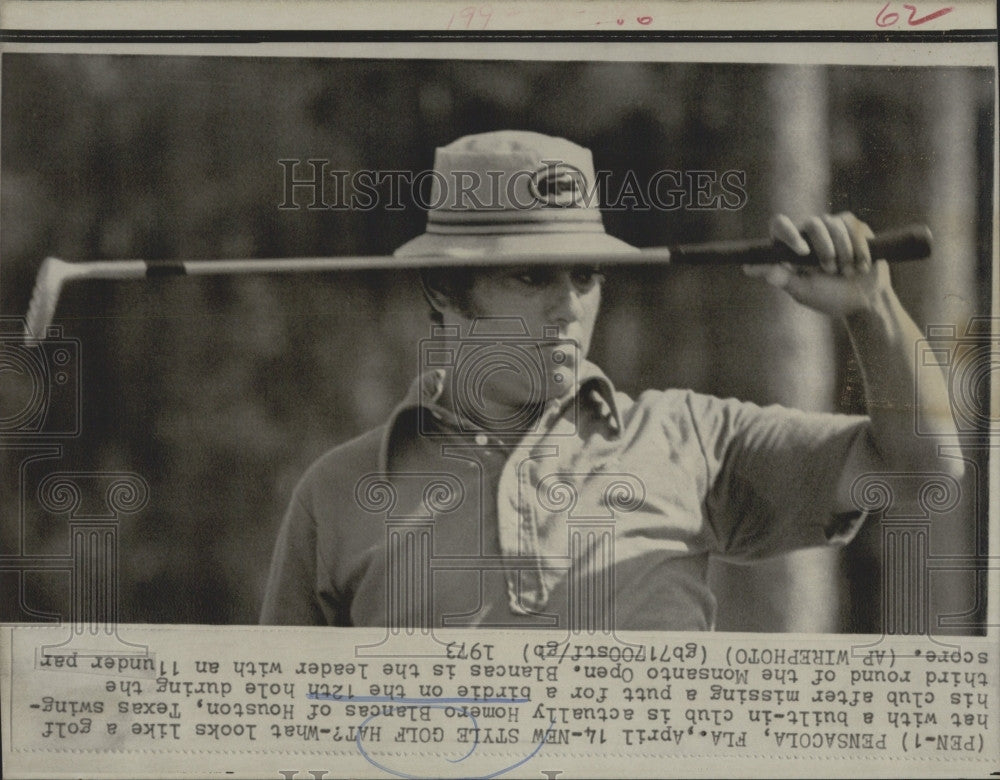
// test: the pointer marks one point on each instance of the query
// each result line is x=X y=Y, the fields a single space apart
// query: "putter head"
x=52 y=274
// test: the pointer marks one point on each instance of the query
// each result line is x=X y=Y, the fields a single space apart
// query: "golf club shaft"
x=910 y=243
x=898 y=245
x=904 y=244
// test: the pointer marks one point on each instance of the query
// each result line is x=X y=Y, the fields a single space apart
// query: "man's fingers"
x=847 y=270
x=784 y=230
x=822 y=243
x=814 y=285
x=860 y=233
x=842 y=243
x=775 y=274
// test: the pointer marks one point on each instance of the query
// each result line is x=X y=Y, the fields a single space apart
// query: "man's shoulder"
x=671 y=402
x=688 y=403
x=687 y=414
x=347 y=461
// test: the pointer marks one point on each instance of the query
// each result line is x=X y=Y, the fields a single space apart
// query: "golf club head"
x=52 y=274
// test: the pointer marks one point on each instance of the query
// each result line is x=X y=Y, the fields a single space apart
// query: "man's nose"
x=564 y=300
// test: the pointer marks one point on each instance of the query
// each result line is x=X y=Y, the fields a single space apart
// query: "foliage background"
x=221 y=391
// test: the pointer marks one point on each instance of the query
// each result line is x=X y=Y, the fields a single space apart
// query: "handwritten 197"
x=479 y=17
x=472 y=17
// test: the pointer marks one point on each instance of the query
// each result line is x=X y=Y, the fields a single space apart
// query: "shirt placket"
x=517 y=519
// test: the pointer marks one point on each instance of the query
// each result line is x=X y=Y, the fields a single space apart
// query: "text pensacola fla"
x=311 y=184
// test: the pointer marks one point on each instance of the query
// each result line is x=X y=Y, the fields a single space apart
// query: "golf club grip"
x=897 y=245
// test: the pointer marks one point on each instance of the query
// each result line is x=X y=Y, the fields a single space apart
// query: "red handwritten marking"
x=643 y=20
x=883 y=19
x=913 y=22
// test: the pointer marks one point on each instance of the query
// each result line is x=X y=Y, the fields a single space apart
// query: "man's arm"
x=855 y=288
x=290 y=596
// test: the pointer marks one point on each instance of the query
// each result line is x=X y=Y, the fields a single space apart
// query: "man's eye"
x=532 y=278
x=587 y=275
x=582 y=276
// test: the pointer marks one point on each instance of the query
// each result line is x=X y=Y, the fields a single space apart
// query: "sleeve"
x=772 y=475
x=290 y=597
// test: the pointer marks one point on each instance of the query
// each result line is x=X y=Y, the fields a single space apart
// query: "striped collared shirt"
x=602 y=515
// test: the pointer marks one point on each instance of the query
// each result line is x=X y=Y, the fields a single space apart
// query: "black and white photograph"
x=511 y=344
x=416 y=393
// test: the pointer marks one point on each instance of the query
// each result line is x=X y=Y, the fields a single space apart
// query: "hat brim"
x=537 y=246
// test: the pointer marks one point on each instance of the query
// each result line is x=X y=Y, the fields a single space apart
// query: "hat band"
x=513 y=216
x=515 y=228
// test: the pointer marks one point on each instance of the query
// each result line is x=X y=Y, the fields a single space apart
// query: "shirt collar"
x=592 y=387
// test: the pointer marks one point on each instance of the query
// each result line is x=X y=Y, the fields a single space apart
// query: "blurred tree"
x=222 y=391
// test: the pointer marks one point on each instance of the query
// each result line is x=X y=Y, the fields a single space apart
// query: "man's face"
x=559 y=300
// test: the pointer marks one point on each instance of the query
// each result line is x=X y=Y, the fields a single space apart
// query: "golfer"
x=526 y=437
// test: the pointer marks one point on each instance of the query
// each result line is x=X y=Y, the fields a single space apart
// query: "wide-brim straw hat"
x=510 y=193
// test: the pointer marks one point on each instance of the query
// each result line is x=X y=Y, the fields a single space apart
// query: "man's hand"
x=848 y=280
x=850 y=285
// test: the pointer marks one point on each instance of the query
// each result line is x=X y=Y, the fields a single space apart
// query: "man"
x=542 y=497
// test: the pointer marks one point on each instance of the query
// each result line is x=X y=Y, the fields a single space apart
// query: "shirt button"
x=481 y=439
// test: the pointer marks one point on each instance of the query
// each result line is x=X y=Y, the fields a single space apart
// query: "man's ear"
x=439 y=290
x=436 y=297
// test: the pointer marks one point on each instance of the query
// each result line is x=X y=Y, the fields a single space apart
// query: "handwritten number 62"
x=883 y=19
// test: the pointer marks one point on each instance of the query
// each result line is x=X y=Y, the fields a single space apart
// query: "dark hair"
x=454 y=284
